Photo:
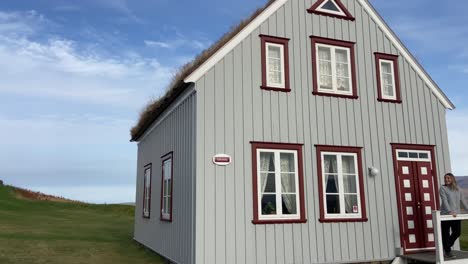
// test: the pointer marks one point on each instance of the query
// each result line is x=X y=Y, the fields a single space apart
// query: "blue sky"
x=75 y=74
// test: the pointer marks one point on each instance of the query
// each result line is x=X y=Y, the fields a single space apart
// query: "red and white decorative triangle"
x=333 y=8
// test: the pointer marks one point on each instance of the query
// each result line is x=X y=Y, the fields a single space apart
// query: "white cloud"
x=180 y=42
x=62 y=69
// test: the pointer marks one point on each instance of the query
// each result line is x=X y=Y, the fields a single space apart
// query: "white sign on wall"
x=222 y=159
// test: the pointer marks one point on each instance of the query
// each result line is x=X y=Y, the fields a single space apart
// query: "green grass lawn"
x=34 y=232
x=464 y=236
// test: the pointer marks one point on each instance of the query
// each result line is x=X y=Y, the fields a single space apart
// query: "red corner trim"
x=341 y=43
x=281 y=41
x=430 y=148
x=357 y=151
x=147 y=167
x=168 y=156
x=348 y=16
x=268 y=145
x=382 y=56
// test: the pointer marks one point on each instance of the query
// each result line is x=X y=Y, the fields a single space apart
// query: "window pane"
x=403 y=154
x=287 y=162
x=267 y=161
x=351 y=204
x=348 y=164
x=274 y=77
x=329 y=163
x=326 y=82
x=333 y=204
x=147 y=181
x=324 y=53
x=169 y=205
x=289 y=204
x=413 y=155
x=349 y=182
x=267 y=182
x=386 y=67
x=388 y=90
x=331 y=184
x=274 y=64
x=342 y=70
x=325 y=68
x=343 y=84
x=274 y=52
x=341 y=55
x=387 y=79
x=169 y=185
x=330 y=6
x=288 y=182
x=423 y=155
x=269 y=204
x=167 y=169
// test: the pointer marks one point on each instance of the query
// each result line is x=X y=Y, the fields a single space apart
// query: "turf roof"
x=155 y=108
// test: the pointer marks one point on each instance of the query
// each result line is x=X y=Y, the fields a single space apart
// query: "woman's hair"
x=454 y=185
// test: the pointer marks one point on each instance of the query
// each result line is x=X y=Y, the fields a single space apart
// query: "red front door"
x=417 y=200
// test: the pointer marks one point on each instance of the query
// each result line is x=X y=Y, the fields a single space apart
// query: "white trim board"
x=262 y=17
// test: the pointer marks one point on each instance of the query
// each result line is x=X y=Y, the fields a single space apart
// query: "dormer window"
x=333 y=8
x=388 y=83
x=275 y=64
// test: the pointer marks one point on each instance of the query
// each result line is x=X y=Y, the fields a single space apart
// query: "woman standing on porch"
x=451 y=197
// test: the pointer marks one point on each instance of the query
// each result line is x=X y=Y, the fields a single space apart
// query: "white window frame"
x=341 y=186
x=382 y=88
x=278 y=187
x=147 y=191
x=165 y=213
x=334 y=89
x=428 y=159
x=321 y=9
x=282 y=63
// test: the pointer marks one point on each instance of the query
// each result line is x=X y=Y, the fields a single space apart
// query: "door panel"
x=427 y=200
x=409 y=198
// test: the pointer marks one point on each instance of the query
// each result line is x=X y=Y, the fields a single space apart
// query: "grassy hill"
x=36 y=229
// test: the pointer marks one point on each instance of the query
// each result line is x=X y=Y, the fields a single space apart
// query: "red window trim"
x=394 y=58
x=313 y=9
x=164 y=158
x=430 y=148
x=346 y=149
x=286 y=146
x=280 y=41
x=333 y=42
x=146 y=167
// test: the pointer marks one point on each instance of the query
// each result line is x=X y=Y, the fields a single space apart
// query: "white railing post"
x=436 y=223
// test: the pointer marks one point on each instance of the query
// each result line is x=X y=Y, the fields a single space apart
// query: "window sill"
x=146 y=217
x=389 y=101
x=330 y=15
x=335 y=95
x=342 y=220
x=165 y=220
x=279 y=221
x=268 y=88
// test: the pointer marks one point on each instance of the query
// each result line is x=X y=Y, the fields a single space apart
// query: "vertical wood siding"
x=233 y=110
x=176 y=133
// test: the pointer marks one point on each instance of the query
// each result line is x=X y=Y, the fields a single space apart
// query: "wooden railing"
x=437 y=219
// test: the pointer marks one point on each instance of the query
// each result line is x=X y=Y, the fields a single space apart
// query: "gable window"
x=333 y=8
x=341 y=189
x=334 y=70
x=275 y=63
x=166 y=187
x=277 y=183
x=388 y=83
x=147 y=191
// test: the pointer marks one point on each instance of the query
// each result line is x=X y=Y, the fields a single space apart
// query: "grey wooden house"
x=308 y=134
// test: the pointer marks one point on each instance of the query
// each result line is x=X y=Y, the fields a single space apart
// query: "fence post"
x=438 y=237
